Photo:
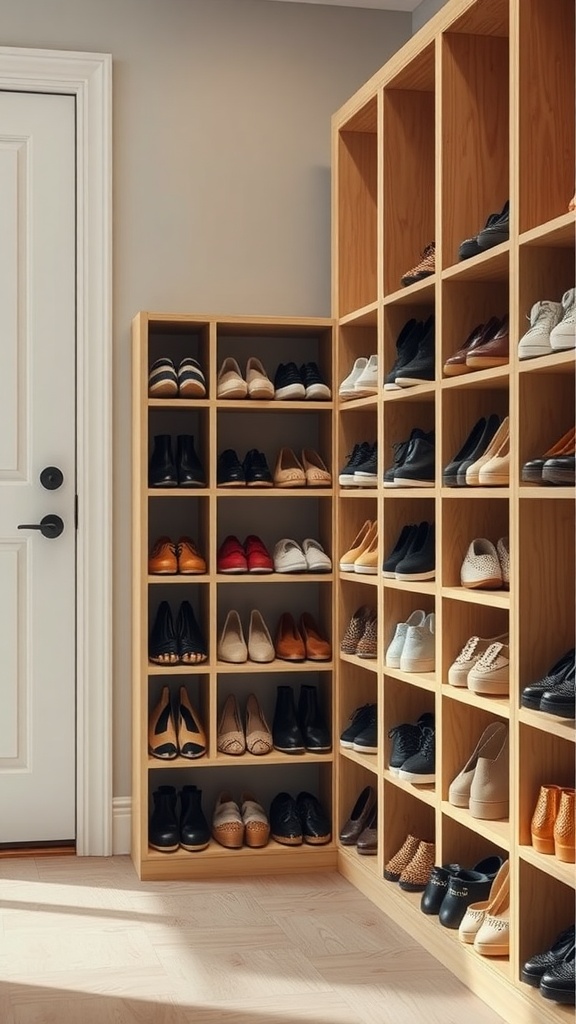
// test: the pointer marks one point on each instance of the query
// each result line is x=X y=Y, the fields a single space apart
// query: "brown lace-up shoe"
x=163 y=559
x=190 y=561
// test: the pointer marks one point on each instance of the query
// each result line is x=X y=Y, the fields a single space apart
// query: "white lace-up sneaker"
x=346 y=389
x=544 y=316
x=490 y=674
x=564 y=334
x=481 y=567
x=470 y=654
x=418 y=652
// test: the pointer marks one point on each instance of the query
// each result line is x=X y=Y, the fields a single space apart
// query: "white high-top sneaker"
x=544 y=316
x=346 y=389
x=564 y=334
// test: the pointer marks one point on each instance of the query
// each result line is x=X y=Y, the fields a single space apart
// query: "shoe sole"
x=294 y=391
x=287 y=840
x=407 y=281
x=410 y=382
x=531 y=476
x=401 y=482
x=567 y=997
x=558 y=476
x=234 y=391
x=196 y=848
x=489 y=583
x=260 y=394
x=365 y=570
x=415 y=576
x=366 y=392
x=192 y=389
x=164 y=849
x=233 y=483
x=418 y=666
x=560 y=710
x=486 y=362
x=167 y=389
x=493 y=480
x=365 y=750
x=485 y=686
x=489 y=810
x=490 y=949
x=423 y=780
x=533 y=351
x=259 y=483
x=319 y=568
x=318 y=393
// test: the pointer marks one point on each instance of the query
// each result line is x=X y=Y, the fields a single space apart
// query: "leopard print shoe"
x=416 y=874
x=401 y=859
x=355 y=630
x=368 y=643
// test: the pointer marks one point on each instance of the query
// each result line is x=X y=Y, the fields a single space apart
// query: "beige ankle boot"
x=489 y=790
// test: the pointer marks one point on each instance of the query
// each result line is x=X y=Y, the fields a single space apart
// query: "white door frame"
x=88 y=77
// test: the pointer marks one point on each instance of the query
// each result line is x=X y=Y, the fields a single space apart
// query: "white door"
x=37 y=431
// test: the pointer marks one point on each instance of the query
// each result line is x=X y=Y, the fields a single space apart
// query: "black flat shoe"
x=190 y=472
x=256 y=470
x=162 y=469
x=450 y=472
x=230 y=472
x=162 y=645
x=316 y=827
x=191 y=645
x=285 y=824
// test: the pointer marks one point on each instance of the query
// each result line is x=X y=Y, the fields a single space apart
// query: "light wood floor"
x=82 y=941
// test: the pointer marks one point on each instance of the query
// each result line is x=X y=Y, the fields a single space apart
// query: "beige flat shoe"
x=232 y=645
x=260 y=646
x=256 y=824
x=496 y=472
x=317 y=474
x=231 y=739
x=231 y=383
x=500 y=437
x=288 y=471
x=258 y=734
x=368 y=561
x=360 y=543
x=259 y=384
x=227 y=824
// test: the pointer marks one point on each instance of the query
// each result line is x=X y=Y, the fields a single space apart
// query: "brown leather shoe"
x=457 y=363
x=316 y=646
x=368 y=839
x=190 y=561
x=495 y=352
x=163 y=560
x=359 y=817
x=288 y=643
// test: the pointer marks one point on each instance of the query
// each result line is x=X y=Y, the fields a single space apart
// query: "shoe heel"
x=542 y=845
x=564 y=853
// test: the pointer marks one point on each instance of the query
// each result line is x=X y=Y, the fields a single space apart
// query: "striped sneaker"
x=191 y=380
x=162 y=379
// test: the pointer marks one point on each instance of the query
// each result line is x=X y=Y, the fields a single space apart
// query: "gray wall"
x=221 y=176
x=424 y=12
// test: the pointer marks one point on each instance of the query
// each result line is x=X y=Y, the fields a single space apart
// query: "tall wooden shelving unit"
x=478 y=107
x=209 y=514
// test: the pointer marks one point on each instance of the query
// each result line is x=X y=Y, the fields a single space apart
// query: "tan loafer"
x=317 y=474
x=231 y=383
x=288 y=471
x=232 y=645
x=163 y=559
x=259 y=384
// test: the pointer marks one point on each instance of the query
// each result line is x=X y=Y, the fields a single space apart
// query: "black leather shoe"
x=497 y=231
x=419 y=562
x=191 y=644
x=418 y=469
x=450 y=472
x=163 y=831
x=492 y=424
x=437 y=887
x=359 y=817
x=316 y=827
x=163 y=645
x=285 y=824
x=464 y=888
x=559 y=983
x=401 y=547
x=312 y=726
x=229 y=472
x=194 y=829
x=401 y=449
x=190 y=472
x=532 y=694
x=162 y=469
x=406 y=348
x=256 y=470
x=538 y=964
x=561 y=700
x=286 y=734
x=561 y=471
x=422 y=367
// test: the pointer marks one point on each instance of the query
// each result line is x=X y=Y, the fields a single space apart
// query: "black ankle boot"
x=163 y=829
x=286 y=733
x=312 y=726
x=162 y=470
x=194 y=829
x=190 y=472
x=163 y=646
x=191 y=645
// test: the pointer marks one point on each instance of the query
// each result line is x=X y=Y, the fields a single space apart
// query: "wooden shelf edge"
x=222 y=863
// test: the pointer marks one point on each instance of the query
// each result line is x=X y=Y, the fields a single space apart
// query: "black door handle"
x=49 y=526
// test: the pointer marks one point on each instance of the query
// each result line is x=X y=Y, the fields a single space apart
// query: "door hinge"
x=75 y=511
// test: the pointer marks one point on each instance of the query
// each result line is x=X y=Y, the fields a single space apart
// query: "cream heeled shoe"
x=500 y=437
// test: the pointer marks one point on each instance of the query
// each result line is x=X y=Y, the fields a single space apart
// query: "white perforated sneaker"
x=564 y=334
x=544 y=316
x=481 y=569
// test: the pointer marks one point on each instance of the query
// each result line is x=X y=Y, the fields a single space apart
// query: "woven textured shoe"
x=559 y=983
x=470 y=654
x=543 y=818
x=355 y=629
x=490 y=673
x=317 y=473
x=416 y=874
x=401 y=858
x=424 y=268
x=481 y=569
x=561 y=700
x=288 y=472
x=258 y=733
x=564 y=830
x=231 y=739
x=537 y=965
x=503 y=552
x=227 y=824
x=368 y=644
x=532 y=694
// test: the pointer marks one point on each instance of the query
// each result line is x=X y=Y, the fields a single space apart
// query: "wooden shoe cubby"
x=478 y=108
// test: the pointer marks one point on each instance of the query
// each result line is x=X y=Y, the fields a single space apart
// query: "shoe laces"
x=403 y=735
x=468 y=650
x=428 y=740
x=364 y=713
x=490 y=655
x=543 y=314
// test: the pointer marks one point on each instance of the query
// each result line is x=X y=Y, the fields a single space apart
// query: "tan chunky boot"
x=545 y=813
x=564 y=831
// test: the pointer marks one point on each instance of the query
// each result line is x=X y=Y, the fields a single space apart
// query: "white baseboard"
x=121 y=824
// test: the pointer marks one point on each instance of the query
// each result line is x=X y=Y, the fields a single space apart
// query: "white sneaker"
x=289 y=556
x=316 y=558
x=394 y=651
x=367 y=383
x=419 y=650
x=490 y=674
x=564 y=334
x=481 y=569
x=346 y=389
x=544 y=316
x=470 y=654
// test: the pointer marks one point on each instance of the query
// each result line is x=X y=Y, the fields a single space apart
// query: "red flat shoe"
x=258 y=557
x=231 y=556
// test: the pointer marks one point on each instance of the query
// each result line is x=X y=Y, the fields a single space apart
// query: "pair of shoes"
x=311 y=471
x=294 y=384
x=250 y=557
x=552 y=827
x=302 y=727
x=411 y=864
x=232 y=385
x=487 y=346
x=167 y=830
x=302 y=642
x=413 y=556
x=414 y=355
x=552 y=327
x=452 y=889
x=486 y=567
x=425 y=268
x=412 y=753
x=484 y=442
x=361 y=467
x=232 y=826
x=233 y=738
x=552 y=971
x=483 y=666
x=302 y=819
x=413 y=644
x=169 y=559
x=556 y=466
x=166 y=739
x=186 y=471
x=486 y=923
x=361 y=828
x=252 y=472
x=362 y=556
x=495 y=231
x=165 y=381
x=362 y=381
x=482 y=785
x=361 y=732
x=555 y=692
x=185 y=643
x=361 y=634
x=291 y=557
x=232 y=646
x=417 y=454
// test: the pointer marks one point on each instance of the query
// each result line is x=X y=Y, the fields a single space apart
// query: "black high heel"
x=191 y=644
x=190 y=472
x=162 y=645
x=162 y=469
